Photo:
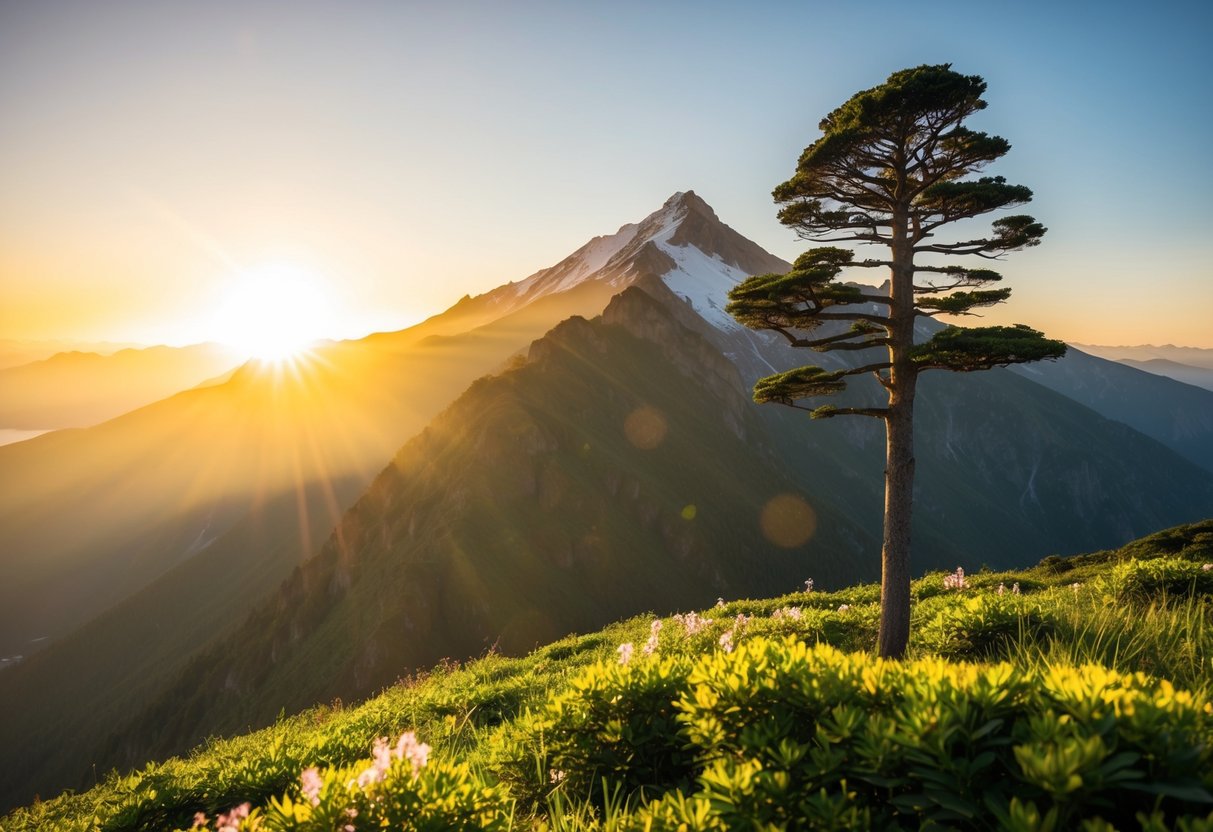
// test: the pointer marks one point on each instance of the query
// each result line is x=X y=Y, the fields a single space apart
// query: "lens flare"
x=646 y=427
x=788 y=521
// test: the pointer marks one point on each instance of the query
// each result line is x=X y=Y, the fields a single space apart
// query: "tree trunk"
x=898 y=502
x=899 y=448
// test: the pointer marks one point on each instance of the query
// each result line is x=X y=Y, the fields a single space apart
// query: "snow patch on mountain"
x=577 y=267
x=600 y=250
x=704 y=281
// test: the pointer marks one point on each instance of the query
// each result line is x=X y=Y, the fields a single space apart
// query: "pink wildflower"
x=368 y=777
x=1206 y=567
x=312 y=782
x=843 y=607
x=808 y=585
x=199 y=820
x=1002 y=589
x=1015 y=588
x=382 y=762
x=1075 y=586
x=726 y=641
x=230 y=822
x=556 y=776
x=691 y=622
x=416 y=753
x=382 y=755
x=719 y=602
x=625 y=652
x=956 y=580
x=650 y=646
x=793 y=613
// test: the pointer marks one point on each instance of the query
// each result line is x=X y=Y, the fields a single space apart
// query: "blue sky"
x=409 y=153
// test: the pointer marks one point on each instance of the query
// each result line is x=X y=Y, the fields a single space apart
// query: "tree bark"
x=894 y=632
x=898 y=502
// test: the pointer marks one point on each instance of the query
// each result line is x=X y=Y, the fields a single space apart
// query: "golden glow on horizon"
x=273 y=312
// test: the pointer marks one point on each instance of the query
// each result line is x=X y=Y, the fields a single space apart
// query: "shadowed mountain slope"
x=1178 y=415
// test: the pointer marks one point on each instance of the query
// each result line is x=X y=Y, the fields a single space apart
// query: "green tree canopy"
x=893 y=168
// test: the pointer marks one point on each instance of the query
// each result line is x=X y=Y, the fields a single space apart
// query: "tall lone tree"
x=894 y=168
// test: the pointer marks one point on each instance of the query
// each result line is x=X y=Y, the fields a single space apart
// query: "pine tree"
x=894 y=168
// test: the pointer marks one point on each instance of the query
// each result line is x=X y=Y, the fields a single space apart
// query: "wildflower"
x=416 y=753
x=230 y=822
x=382 y=755
x=808 y=585
x=719 y=603
x=199 y=820
x=726 y=641
x=843 y=607
x=1015 y=588
x=741 y=620
x=1206 y=567
x=1002 y=589
x=1075 y=586
x=793 y=613
x=691 y=623
x=556 y=776
x=650 y=646
x=956 y=580
x=368 y=777
x=311 y=780
x=625 y=652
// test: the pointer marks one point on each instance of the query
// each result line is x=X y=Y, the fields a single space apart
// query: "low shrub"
x=1172 y=576
x=778 y=734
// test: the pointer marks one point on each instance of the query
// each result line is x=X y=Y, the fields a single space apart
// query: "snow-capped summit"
x=683 y=242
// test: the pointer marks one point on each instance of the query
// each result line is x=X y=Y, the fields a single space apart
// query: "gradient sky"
x=405 y=154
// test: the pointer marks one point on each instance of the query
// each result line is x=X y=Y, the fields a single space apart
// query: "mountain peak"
x=691 y=201
x=683 y=242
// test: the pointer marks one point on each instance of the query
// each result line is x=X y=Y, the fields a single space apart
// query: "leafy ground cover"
x=1072 y=695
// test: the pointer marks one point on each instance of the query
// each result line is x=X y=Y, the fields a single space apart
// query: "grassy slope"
x=473 y=712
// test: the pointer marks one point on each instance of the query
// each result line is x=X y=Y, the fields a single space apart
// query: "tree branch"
x=829 y=411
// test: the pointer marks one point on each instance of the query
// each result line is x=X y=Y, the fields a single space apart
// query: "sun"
x=273 y=312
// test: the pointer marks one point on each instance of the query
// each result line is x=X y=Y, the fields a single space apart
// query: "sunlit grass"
x=484 y=714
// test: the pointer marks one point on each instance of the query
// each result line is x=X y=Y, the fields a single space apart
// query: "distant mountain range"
x=1190 y=356
x=17 y=351
x=79 y=389
x=1191 y=365
x=610 y=465
x=1196 y=376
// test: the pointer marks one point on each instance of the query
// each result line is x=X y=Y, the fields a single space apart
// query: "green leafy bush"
x=619 y=721
x=981 y=625
x=1174 y=576
x=785 y=735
